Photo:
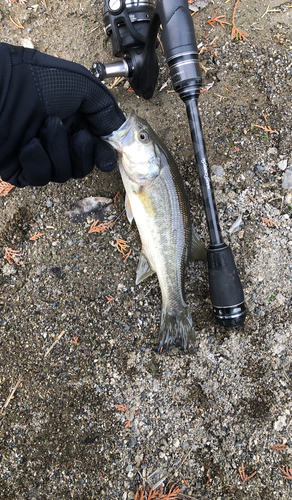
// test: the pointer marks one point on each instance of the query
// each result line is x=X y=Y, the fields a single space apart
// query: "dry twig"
x=117 y=80
x=19 y=25
x=116 y=197
x=287 y=472
x=5 y=187
x=236 y=33
x=11 y=395
x=218 y=19
x=266 y=129
x=13 y=256
x=269 y=222
x=54 y=343
x=99 y=228
x=122 y=245
x=127 y=255
x=36 y=236
x=181 y=463
x=121 y=407
x=149 y=494
x=271 y=10
x=279 y=446
x=243 y=475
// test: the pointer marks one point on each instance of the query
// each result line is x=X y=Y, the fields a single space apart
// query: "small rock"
x=132 y=442
x=280 y=299
x=185 y=445
x=272 y=151
x=280 y=424
x=217 y=170
x=27 y=43
x=287 y=179
x=176 y=443
x=283 y=164
x=7 y=270
x=40 y=270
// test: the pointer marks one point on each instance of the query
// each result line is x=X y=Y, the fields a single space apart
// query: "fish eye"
x=143 y=136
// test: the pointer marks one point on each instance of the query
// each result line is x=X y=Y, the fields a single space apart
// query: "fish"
x=156 y=199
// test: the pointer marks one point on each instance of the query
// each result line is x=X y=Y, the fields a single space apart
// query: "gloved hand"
x=52 y=113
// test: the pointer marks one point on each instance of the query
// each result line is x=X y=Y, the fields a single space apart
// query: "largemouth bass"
x=157 y=200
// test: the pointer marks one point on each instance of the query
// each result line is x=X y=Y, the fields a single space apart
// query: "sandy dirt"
x=197 y=417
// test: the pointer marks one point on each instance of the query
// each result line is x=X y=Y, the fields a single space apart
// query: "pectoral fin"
x=197 y=250
x=144 y=269
x=128 y=209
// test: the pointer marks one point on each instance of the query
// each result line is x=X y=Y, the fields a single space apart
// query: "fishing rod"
x=133 y=26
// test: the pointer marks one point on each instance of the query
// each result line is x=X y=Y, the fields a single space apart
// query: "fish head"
x=138 y=151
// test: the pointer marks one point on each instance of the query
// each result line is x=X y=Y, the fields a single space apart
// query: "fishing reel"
x=132 y=26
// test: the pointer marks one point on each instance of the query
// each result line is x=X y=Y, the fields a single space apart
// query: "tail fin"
x=176 y=328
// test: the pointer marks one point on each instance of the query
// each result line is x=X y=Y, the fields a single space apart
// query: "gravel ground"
x=197 y=417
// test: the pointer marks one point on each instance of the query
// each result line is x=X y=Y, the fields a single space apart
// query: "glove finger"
x=36 y=168
x=81 y=150
x=54 y=138
x=105 y=156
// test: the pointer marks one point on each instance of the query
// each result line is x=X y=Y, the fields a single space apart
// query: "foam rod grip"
x=225 y=287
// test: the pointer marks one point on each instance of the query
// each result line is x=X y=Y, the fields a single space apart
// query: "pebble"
x=217 y=170
x=280 y=299
x=8 y=270
x=280 y=424
x=176 y=443
x=287 y=179
x=272 y=151
x=282 y=165
x=27 y=43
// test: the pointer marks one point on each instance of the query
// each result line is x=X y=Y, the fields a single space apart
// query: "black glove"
x=52 y=113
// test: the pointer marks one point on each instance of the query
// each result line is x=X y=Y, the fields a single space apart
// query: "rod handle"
x=225 y=287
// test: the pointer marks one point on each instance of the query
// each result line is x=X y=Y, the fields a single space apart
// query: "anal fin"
x=197 y=250
x=144 y=269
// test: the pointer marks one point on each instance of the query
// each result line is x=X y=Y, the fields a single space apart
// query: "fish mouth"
x=118 y=138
